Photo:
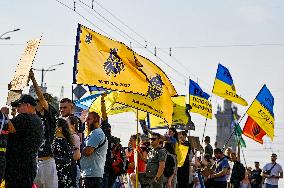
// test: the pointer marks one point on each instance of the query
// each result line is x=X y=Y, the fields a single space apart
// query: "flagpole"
x=206 y=119
x=210 y=102
x=240 y=121
x=137 y=122
x=240 y=147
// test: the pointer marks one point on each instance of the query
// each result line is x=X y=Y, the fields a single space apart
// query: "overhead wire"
x=176 y=60
x=179 y=73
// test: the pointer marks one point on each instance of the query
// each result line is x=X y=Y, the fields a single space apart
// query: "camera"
x=268 y=172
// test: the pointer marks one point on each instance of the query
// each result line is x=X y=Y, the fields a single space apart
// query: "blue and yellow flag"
x=224 y=86
x=199 y=100
x=261 y=111
x=106 y=63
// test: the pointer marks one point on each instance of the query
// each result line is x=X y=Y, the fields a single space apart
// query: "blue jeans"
x=271 y=186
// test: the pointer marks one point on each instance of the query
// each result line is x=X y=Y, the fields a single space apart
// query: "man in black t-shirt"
x=256 y=178
x=208 y=147
x=66 y=108
x=47 y=173
x=183 y=171
x=23 y=144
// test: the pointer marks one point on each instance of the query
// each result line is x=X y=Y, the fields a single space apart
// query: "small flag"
x=198 y=100
x=179 y=116
x=261 y=111
x=238 y=130
x=224 y=86
x=253 y=130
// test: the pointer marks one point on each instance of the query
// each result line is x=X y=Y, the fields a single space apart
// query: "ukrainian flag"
x=198 y=100
x=224 y=86
x=261 y=111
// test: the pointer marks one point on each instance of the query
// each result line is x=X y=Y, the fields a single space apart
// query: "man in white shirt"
x=272 y=172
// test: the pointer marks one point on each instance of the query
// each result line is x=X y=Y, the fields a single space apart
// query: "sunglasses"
x=153 y=139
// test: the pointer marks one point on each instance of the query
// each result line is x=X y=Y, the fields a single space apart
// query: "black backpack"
x=170 y=166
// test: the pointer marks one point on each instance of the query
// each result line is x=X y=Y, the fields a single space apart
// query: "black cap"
x=25 y=99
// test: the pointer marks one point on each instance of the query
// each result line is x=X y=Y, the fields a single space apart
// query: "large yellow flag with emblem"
x=152 y=70
x=106 y=63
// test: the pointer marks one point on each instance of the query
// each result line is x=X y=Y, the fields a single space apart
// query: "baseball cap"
x=25 y=99
x=273 y=155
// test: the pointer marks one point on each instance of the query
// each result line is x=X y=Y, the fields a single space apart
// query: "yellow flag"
x=110 y=100
x=157 y=104
x=106 y=63
x=152 y=70
x=181 y=152
x=179 y=116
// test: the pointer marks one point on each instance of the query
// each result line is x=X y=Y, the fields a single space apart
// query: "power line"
x=132 y=39
x=74 y=10
x=225 y=46
x=179 y=73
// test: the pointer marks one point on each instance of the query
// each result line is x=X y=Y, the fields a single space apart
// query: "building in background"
x=224 y=119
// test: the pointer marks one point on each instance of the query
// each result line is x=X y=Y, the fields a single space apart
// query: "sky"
x=245 y=36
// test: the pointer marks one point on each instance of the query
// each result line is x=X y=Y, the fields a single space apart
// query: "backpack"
x=169 y=166
x=238 y=172
x=119 y=161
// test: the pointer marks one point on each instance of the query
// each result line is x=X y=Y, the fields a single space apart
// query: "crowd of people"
x=46 y=148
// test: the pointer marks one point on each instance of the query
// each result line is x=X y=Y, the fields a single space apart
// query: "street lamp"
x=8 y=38
x=43 y=71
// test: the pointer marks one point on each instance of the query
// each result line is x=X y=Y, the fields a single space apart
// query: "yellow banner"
x=262 y=117
x=106 y=63
x=201 y=106
x=226 y=91
x=179 y=116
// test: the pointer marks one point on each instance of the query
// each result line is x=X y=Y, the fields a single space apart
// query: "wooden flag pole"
x=137 y=144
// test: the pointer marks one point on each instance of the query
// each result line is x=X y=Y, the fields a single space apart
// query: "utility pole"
x=43 y=71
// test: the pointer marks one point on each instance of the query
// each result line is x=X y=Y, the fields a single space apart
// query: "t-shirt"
x=209 y=150
x=221 y=164
x=93 y=165
x=154 y=157
x=49 y=125
x=256 y=175
x=76 y=141
x=23 y=146
x=276 y=170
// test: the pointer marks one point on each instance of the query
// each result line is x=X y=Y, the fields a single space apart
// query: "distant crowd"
x=43 y=147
